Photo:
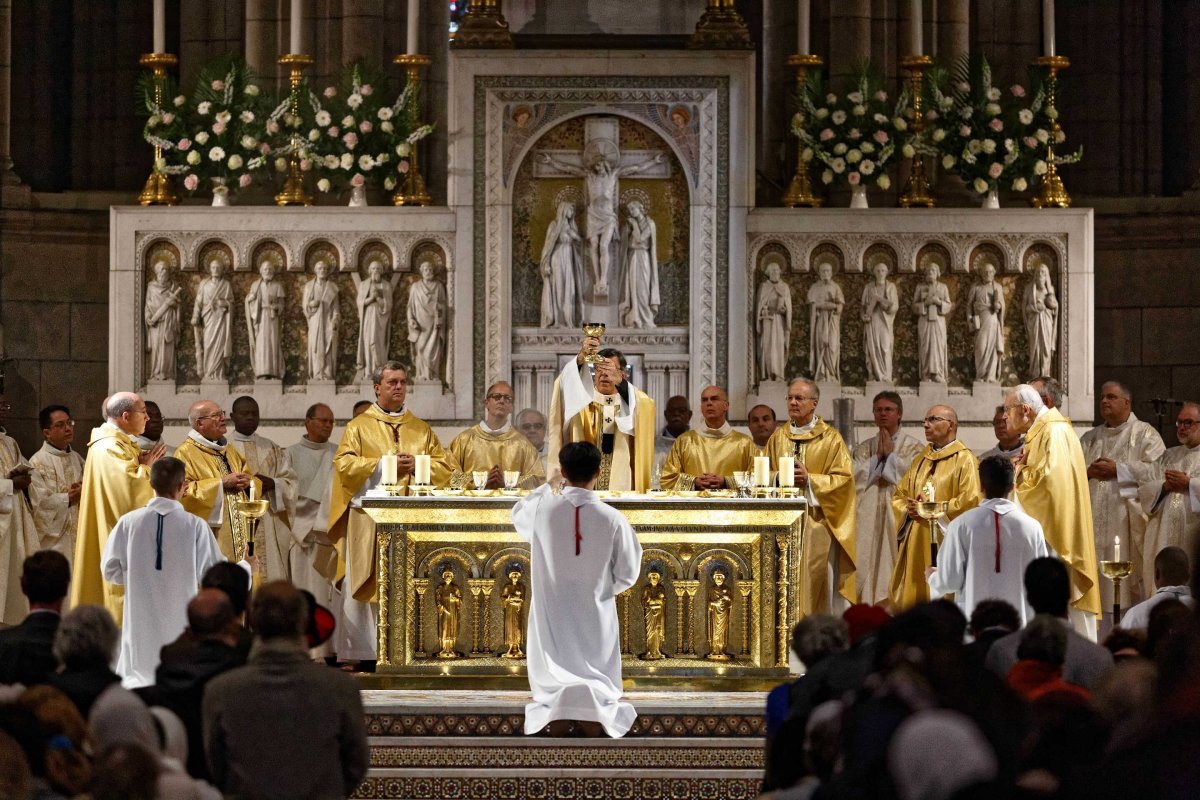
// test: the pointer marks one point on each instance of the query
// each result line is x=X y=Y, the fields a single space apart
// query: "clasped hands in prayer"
x=1176 y=481
x=21 y=476
x=1102 y=469
x=153 y=454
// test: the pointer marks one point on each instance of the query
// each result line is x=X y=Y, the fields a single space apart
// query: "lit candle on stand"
x=297 y=15
x=803 y=29
x=915 y=32
x=929 y=491
x=1048 y=27
x=253 y=491
x=414 y=12
x=160 y=26
x=1117 y=549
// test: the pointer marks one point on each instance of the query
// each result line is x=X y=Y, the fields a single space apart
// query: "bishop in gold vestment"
x=953 y=471
x=824 y=472
x=707 y=457
x=494 y=446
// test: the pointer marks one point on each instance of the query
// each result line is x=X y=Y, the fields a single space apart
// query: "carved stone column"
x=849 y=36
x=690 y=588
x=953 y=29
x=420 y=586
x=522 y=382
x=745 y=587
x=681 y=620
x=544 y=374
x=6 y=173
x=481 y=592
x=677 y=379
x=262 y=39
x=362 y=21
x=656 y=387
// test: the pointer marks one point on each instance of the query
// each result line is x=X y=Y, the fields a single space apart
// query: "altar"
x=468 y=543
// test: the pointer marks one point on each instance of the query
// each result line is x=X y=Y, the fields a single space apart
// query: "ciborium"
x=1116 y=571
x=930 y=510
x=593 y=330
x=251 y=511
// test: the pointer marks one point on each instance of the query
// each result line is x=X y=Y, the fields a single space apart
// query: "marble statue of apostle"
x=931 y=304
x=162 y=322
x=825 y=301
x=212 y=324
x=773 y=324
x=1039 y=305
x=264 y=319
x=374 y=304
x=879 y=305
x=427 y=312
x=321 y=309
x=985 y=311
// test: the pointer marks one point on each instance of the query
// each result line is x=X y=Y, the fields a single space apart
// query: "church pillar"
x=361 y=22
x=677 y=380
x=522 y=379
x=952 y=29
x=544 y=375
x=849 y=36
x=656 y=387
x=262 y=40
x=6 y=163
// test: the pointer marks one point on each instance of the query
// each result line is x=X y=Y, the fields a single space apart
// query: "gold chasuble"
x=478 y=449
x=954 y=472
x=206 y=463
x=368 y=437
x=1052 y=487
x=831 y=492
x=722 y=451
x=114 y=483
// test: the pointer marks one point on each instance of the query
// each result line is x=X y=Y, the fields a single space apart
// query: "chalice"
x=251 y=511
x=930 y=510
x=594 y=330
x=1116 y=571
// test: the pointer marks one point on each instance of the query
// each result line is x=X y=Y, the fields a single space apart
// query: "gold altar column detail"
x=781 y=591
x=624 y=598
x=800 y=192
x=1052 y=192
x=157 y=191
x=916 y=190
x=483 y=27
x=420 y=586
x=680 y=620
x=479 y=626
x=721 y=27
x=293 y=193
x=383 y=593
x=690 y=588
x=412 y=192
x=745 y=587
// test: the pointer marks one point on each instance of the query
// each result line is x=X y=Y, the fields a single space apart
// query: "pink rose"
x=191 y=182
x=350 y=139
x=366 y=90
x=854 y=178
x=996 y=125
x=305 y=164
x=994 y=170
x=964 y=130
x=218 y=128
x=1030 y=142
x=272 y=127
x=402 y=167
x=264 y=148
x=358 y=179
x=365 y=126
x=854 y=133
x=826 y=135
x=218 y=86
x=1017 y=90
x=330 y=91
x=881 y=137
x=244 y=180
x=334 y=131
x=185 y=143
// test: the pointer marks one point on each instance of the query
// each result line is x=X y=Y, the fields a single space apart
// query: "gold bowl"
x=932 y=509
x=1116 y=569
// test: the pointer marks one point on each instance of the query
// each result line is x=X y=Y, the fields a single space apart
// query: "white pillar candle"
x=929 y=492
x=253 y=491
x=414 y=14
x=1048 y=27
x=1117 y=548
x=803 y=27
x=915 y=32
x=297 y=15
x=160 y=26
x=422 y=469
x=787 y=471
x=762 y=470
x=389 y=466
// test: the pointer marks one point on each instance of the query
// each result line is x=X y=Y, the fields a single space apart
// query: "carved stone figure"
x=825 y=301
x=985 y=312
x=639 y=292
x=512 y=597
x=212 y=323
x=654 y=606
x=561 y=270
x=1040 y=308
x=720 y=606
x=321 y=308
x=773 y=325
x=427 y=324
x=264 y=315
x=162 y=322
x=374 y=305
x=448 y=596
x=879 y=305
x=931 y=304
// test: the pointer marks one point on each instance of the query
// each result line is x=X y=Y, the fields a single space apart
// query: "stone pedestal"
x=981 y=390
x=267 y=389
x=217 y=391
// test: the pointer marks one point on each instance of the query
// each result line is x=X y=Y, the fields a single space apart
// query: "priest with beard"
x=1170 y=495
x=268 y=462
x=494 y=446
x=706 y=458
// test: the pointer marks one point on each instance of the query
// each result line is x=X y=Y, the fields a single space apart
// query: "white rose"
x=193 y=157
x=908 y=151
x=806 y=154
x=858 y=111
x=202 y=137
x=204 y=108
x=867 y=147
x=992 y=109
x=821 y=113
x=323 y=119
x=281 y=165
x=884 y=182
x=347 y=161
x=224 y=116
x=974 y=146
x=314 y=135
x=989 y=146
x=251 y=90
x=389 y=183
x=1009 y=145
x=403 y=149
x=831 y=98
x=249 y=142
x=979 y=185
x=347 y=121
x=838 y=117
x=235 y=161
x=365 y=162
x=386 y=127
x=881 y=119
x=1039 y=168
x=946 y=103
x=947 y=161
x=1019 y=185
x=1041 y=135
x=246 y=116
x=840 y=148
x=993 y=94
x=939 y=134
x=854 y=156
x=179 y=101
x=323 y=185
x=900 y=124
x=826 y=177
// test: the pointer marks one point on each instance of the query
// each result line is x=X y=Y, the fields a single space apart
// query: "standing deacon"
x=823 y=471
x=986 y=550
x=607 y=411
x=1008 y=442
x=494 y=446
x=116 y=480
x=1120 y=454
x=573 y=640
x=57 y=480
x=1051 y=486
x=706 y=458
x=879 y=464
x=152 y=435
x=1170 y=495
x=385 y=427
x=953 y=472
x=18 y=535
x=217 y=477
x=268 y=462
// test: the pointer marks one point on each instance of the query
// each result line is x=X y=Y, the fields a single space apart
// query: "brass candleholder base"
x=799 y=191
x=293 y=193
x=483 y=27
x=1052 y=193
x=917 y=191
x=157 y=191
x=721 y=27
x=412 y=192
x=1116 y=571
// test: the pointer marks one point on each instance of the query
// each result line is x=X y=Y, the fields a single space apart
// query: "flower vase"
x=992 y=199
x=358 y=197
x=220 y=193
x=858 y=197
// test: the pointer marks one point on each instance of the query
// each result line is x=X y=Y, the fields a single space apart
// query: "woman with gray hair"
x=814 y=638
x=85 y=646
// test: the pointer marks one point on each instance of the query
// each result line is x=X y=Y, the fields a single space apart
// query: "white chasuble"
x=1174 y=517
x=56 y=519
x=875 y=480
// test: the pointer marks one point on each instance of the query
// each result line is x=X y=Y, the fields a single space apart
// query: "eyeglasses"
x=500 y=398
x=217 y=415
x=802 y=399
x=932 y=420
x=1186 y=423
x=64 y=423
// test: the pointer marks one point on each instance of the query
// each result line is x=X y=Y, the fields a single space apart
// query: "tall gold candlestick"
x=1052 y=192
x=157 y=191
x=721 y=27
x=799 y=192
x=917 y=191
x=293 y=193
x=484 y=27
x=412 y=192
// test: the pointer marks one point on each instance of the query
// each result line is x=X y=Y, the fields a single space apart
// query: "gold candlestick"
x=293 y=193
x=721 y=27
x=157 y=191
x=799 y=192
x=412 y=192
x=483 y=26
x=1052 y=191
x=917 y=191
x=1116 y=571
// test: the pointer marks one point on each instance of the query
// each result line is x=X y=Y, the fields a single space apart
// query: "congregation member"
x=386 y=427
x=762 y=423
x=1051 y=487
x=1050 y=390
x=1170 y=495
x=151 y=436
x=1120 y=453
x=26 y=649
x=18 y=534
x=56 y=482
x=608 y=411
x=85 y=645
x=531 y=424
x=706 y=458
x=677 y=415
x=574 y=643
x=116 y=480
x=991 y=620
x=1008 y=443
x=823 y=472
x=269 y=464
x=950 y=469
x=494 y=446
x=987 y=548
x=216 y=477
x=1172 y=572
x=879 y=464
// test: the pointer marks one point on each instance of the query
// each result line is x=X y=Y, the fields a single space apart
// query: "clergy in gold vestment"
x=952 y=469
x=707 y=457
x=494 y=446
x=824 y=472
x=116 y=480
x=1170 y=495
x=1052 y=488
x=607 y=411
x=216 y=476
x=18 y=536
x=268 y=462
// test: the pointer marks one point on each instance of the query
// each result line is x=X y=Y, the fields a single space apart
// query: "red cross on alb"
x=578 y=535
